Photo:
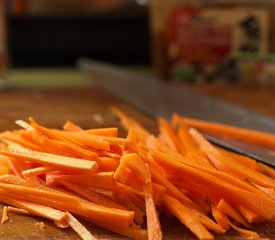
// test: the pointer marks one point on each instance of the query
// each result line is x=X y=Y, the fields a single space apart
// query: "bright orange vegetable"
x=119 y=182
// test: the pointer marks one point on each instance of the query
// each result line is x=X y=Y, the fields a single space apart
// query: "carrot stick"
x=128 y=122
x=167 y=129
x=220 y=217
x=70 y=126
x=5 y=216
x=101 y=179
x=107 y=132
x=123 y=188
x=34 y=208
x=248 y=233
x=249 y=215
x=246 y=135
x=19 y=211
x=138 y=167
x=91 y=195
x=107 y=164
x=82 y=232
x=222 y=163
x=212 y=184
x=185 y=215
x=139 y=214
x=228 y=209
x=36 y=171
x=66 y=202
x=153 y=224
x=51 y=159
x=67 y=148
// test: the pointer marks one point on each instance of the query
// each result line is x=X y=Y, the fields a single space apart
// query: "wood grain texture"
x=88 y=108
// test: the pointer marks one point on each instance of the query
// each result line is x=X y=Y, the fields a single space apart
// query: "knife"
x=159 y=98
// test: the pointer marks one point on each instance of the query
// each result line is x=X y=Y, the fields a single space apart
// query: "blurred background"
x=178 y=40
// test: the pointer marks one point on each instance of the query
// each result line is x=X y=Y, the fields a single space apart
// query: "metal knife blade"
x=158 y=98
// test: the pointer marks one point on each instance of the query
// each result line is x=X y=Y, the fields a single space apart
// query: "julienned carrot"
x=79 y=228
x=178 y=173
x=37 y=209
x=186 y=216
x=214 y=185
x=107 y=132
x=128 y=122
x=37 y=171
x=138 y=167
x=91 y=195
x=127 y=203
x=70 y=126
x=227 y=208
x=5 y=216
x=51 y=159
x=101 y=179
x=153 y=224
x=169 y=132
x=223 y=163
x=246 y=135
x=18 y=210
x=66 y=202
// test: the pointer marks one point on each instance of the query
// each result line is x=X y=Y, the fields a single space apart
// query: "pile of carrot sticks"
x=123 y=184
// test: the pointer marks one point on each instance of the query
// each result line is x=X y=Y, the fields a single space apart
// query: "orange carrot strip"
x=101 y=179
x=153 y=224
x=91 y=195
x=107 y=132
x=16 y=138
x=186 y=216
x=121 y=174
x=89 y=140
x=248 y=233
x=79 y=138
x=246 y=135
x=107 y=164
x=126 y=202
x=4 y=169
x=166 y=128
x=207 y=222
x=82 y=232
x=243 y=160
x=270 y=192
x=36 y=171
x=51 y=159
x=34 y=208
x=212 y=184
x=225 y=207
x=123 y=188
x=70 y=126
x=139 y=202
x=67 y=148
x=5 y=216
x=138 y=167
x=266 y=170
x=27 y=192
x=128 y=122
x=18 y=211
x=220 y=217
x=249 y=215
x=224 y=164
x=105 y=192
x=66 y=202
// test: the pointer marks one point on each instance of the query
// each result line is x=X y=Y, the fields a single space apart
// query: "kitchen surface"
x=218 y=56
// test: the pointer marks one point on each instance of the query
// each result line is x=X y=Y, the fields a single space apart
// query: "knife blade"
x=159 y=98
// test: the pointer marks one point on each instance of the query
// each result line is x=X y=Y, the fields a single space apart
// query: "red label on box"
x=196 y=38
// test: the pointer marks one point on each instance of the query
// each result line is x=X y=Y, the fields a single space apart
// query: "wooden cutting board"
x=88 y=108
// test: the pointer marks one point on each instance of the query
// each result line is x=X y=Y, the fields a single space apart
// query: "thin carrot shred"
x=5 y=216
x=119 y=183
